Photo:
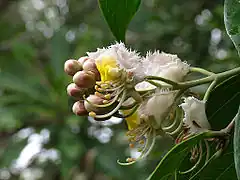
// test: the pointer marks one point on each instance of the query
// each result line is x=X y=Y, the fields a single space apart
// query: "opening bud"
x=84 y=79
x=72 y=66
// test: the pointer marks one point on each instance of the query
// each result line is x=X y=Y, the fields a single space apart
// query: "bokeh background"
x=40 y=138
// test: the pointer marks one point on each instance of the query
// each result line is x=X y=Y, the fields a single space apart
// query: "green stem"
x=154 y=83
x=161 y=79
x=200 y=70
x=207 y=93
x=219 y=76
x=189 y=84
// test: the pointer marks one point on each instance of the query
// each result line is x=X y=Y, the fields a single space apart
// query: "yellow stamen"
x=131 y=145
x=105 y=101
x=130 y=159
x=98 y=94
x=107 y=96
x=99 y=83
x=92 y=114
x=104 y=86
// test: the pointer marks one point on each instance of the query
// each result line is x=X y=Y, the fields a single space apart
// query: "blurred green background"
x=40 y=138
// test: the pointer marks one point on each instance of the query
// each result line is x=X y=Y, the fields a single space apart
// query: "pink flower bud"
x=79 y=109
x=84 y=79
x=83 y=59
x=90 y=65
x=94 y=100
x=75 y=91
x=72 y=66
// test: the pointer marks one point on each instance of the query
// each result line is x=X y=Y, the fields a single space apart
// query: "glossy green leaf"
x=237 y=143
x=223 y=103
x=221 y=168
x=221 y=108
x=173 y=159
x=232 y=23
x=118 y=15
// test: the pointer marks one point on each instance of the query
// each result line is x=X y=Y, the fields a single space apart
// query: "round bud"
x=94 y=100
x=90 y=65
x=79 y=109
x=75 y=91
x=83 y=59
x=72 y=66
x=84 y=79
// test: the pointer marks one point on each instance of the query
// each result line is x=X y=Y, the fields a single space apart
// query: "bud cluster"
x=112 y=82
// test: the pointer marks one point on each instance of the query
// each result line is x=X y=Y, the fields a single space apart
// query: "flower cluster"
x=113 y=82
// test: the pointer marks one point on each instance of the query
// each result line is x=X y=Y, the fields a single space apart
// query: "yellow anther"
x=141 y=142
x=105 y=101
x=99 y=83
x=92 y=114
x=104 y=86
x=107 y=96
x=131 y=145
x=100 y=90
x=130 y=159
x=98 y=94
x=96 y=87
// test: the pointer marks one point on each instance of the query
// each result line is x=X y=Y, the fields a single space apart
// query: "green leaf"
x=232 y=23
x=118 y=14
x=221 y=168
x=221 y=108
x=236 y=142
x=173 y=159
x=223 y=103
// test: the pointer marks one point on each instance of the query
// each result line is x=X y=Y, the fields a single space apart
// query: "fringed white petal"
x=195 y=117
x=165 y=65
x=159 y=105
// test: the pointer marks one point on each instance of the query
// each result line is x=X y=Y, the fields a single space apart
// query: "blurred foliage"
x=40 y=138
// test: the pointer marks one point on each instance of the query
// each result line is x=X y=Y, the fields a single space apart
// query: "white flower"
x=117 y=56
x=158 y=106
x=195 y=117
x=164 y=65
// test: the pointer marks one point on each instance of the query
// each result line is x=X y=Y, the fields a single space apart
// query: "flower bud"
x=79 y=109
x=94 y=100
x=90 y=65
x=72 y=66
x=83 y=59
x=84 y=79
x=75 y=91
